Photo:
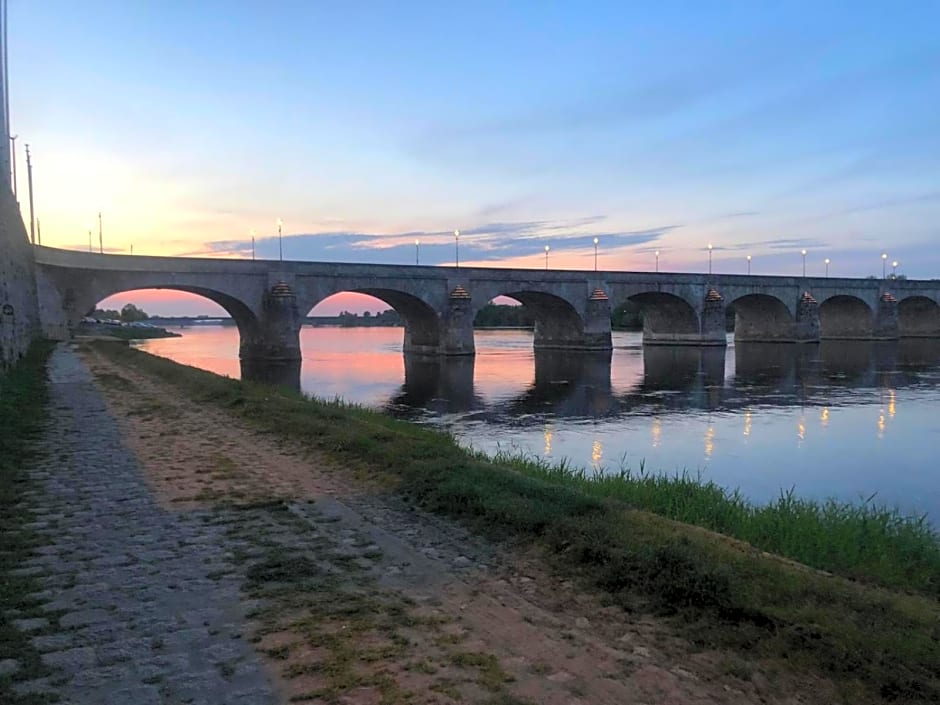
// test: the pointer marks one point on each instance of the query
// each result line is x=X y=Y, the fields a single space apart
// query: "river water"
x=843 y=420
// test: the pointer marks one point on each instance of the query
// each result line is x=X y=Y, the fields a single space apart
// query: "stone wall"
x=19 y=316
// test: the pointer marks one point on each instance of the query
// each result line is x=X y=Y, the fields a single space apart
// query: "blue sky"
x=762 y=128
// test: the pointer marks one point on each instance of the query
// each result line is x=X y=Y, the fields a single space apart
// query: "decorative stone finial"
x=281 y=291
x=712 y=295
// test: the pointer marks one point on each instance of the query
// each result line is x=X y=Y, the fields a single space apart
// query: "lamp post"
x=89 y=237
x=457 y=248
x=827 y=267
x=803 y=252
x=252 y=244
x=894 y=269
x=547 y=248
x=100 y=236
x=595 y=254
x=417 y=244
x=657 y=260
x=709 y=258
x=280 y=243
x=748 y=264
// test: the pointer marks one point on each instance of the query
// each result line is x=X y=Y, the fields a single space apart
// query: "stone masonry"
x=143 y=615
x=19 y=316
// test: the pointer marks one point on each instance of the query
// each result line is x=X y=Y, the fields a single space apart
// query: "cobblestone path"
x=142 y=604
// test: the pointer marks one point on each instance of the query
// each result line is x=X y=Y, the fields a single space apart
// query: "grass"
x=862 y=541
x=23 y=400
x=877 y=635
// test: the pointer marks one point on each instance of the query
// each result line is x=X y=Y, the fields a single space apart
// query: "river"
x=841 y=419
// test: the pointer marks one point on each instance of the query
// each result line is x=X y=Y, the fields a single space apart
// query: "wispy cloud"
x=485 y=242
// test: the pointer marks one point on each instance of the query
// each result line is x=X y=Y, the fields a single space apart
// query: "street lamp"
x=252 y=244
x=547 y=248
x=884 y=263
x=803 y=252
x=894 y=269
x=827 y=267
x=709 y=258
x=595 y=254
x=456 y=248
x=88 y=225
x=280 y=243
x=417 y=243
x=749 y=264
x=657 y=260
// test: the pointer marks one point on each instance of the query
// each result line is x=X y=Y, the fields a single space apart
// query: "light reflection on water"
x=838 y=419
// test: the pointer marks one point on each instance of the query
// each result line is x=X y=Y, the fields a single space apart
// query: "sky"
x=761 y=128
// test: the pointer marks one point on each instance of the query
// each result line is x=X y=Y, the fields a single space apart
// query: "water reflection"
x=838 y=418
x=566 y=384
x=442 y=385
x=281 y=373
x=674 y=379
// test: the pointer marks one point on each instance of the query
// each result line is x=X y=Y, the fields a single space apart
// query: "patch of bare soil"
x=362 y=599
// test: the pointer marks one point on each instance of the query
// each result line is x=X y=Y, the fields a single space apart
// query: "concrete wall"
x=19 y=314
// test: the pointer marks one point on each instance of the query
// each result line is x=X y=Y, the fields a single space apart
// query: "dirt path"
x=360 y=599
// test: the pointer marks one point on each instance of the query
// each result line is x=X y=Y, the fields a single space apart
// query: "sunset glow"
x=812 y=143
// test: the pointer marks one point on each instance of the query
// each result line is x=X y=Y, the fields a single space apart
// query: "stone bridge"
x=269 y=299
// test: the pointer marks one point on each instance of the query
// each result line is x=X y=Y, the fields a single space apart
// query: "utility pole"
x=6 y=68
x=100 y=238
x=5 y=160
x=38 y=233
x=13 y=164
x=29 y=181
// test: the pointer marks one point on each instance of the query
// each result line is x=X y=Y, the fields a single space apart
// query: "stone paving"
x=143 y=604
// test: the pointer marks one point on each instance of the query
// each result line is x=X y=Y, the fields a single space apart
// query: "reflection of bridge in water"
x=675 y=379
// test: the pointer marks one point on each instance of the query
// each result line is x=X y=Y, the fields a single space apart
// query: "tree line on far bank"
x=129 y=314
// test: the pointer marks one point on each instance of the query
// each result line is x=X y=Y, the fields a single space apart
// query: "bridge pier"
x=270 y=347
x=456 y=326
x=597 y=323
x=668 y=323
x=886 y=322
x=806 y=329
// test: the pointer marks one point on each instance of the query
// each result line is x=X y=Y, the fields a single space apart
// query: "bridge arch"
x=422 y=323
x=667 y=318
x=558 y=324
x=763 y=318
x=918 y=317
x=245 y=319
x=845 y=317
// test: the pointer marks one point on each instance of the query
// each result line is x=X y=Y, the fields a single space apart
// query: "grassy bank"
x=863 y=541
x=879 y=644
x=22 y=410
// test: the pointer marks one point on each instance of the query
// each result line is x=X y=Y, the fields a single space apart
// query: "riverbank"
x=876 y=643
x=128 y=332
